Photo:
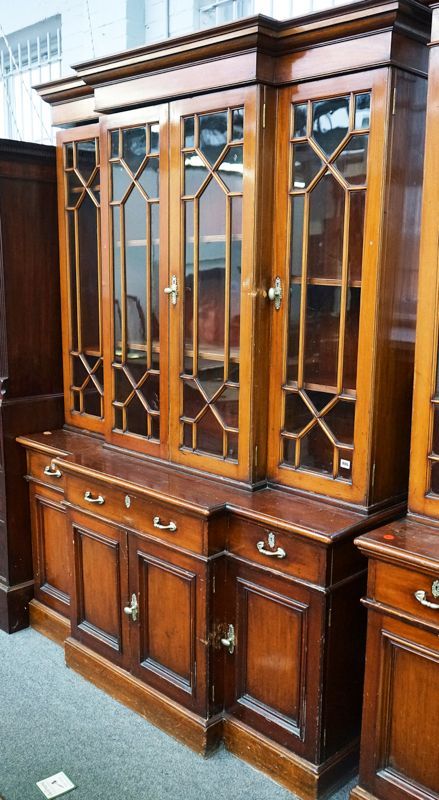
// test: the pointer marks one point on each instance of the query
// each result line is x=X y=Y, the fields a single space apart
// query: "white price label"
x=56 y=785
x=345 y=464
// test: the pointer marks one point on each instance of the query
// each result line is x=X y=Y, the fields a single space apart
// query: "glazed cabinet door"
x=134 y=155
x=169 y=633
x=101 y=590
x=212 y=206
x=79 y=214
x=273 y=670
x=51 y=548
x=330 y=162
x=399 y=748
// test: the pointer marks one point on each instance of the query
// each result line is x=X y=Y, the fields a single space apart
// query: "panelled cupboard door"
x=79 y=215
x=212 y=208
x=399 y=746
x=169 y=634
x=134 y=148
x=51 y=545
x=330 y=166
x=274 y=673
x=101 y=590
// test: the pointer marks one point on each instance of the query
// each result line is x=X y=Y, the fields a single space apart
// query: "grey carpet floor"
x=52 y=719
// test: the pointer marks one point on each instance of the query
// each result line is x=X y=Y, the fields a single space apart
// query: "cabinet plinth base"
x=306 y=780
x=358 y=793
x=14 y=606
x=201 y=735
x=48 y=622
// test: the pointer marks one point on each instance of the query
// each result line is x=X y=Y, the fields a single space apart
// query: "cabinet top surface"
x=87 y=456
x=268 y=38
x=406 y=540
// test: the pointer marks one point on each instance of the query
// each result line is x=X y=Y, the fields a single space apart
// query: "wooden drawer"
x=37 y=463
x=396 y=587
x=302 y=559
x=138 y=513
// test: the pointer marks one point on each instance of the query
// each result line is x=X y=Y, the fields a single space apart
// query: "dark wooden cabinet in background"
x=238 y=273
x=30 y=351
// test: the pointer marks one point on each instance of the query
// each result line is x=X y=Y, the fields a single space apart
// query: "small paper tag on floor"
x=56 y=785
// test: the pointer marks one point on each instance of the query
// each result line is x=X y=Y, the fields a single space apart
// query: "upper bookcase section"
x=251 y=50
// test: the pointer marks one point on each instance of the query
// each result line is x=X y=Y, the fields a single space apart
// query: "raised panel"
x=273 y=636
x=52 y=553
x=100 y=576
x=410 y=747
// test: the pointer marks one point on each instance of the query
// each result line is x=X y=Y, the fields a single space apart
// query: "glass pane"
x=150 y=390
x=92 y=401
x=72 y=271
x=114 y=147
x=123 y=387
x=211 y=280
x=435 y=443
x=155 y=281
x=293 y=332
x=213 y=135
x=232 y=446
x=187 y=435
x=297 y=414
x=195 y=173
x=76 y=401
x=193 y=400
x=134 y=147
x=319 y=399
x=189 y=284
x=237 y=124
x=435 y=477
x=117 y=282
x=297 y=218
x=75 y=189
x=362 y=111
x=68 y=155
x=300 y=115
x=356 y=234
x=210 y=376
x=228 y=407
x=330 y=122
x=79 y=372
x=154 y=138
x=351 y=338
x=289 y=451
x=326 y=213
x=340 y=421
x=149 y=178
x=189 y=132
x=345 y=464
x=135 y=269
x=86 y=158
x=209 y=434
x=235 y=283
x=120 y=180
x=322 y=334
x=352 y=161
x=316 y=452
x=89 y=273
x=137 y=418
x=231 y=169
x=306 y=165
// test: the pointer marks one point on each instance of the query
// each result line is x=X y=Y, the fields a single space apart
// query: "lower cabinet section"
x=51 y=546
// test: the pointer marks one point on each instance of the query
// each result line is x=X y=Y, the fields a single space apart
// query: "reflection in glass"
x=211 y=269
x=154 y=137
x=210 y=434
x=114 y=144
x=340 y=420
x=150 y=390
x=68 y=155
x=134 y=147
x=297 y=219
x=75 y=189
x=213 y=135
x=89 y=273
x=195 y=173
x=297 y=413
x=326 y=212
x=72 y=273
x=231 y=169
x=300 y=115
x=228 y=406
x=155 y=282
x=235 y=267
x=189 y=132
x=322 y=335
x=306 y=165
x=362 y=111
x=210 y=375
x=351 y=338
x=120 y=180
x=135 y=269
x=330 y=122
x=352 y=161
x=316 y=451
x=189 y=283
x=86 y=158
x=149 y=178
x=293 y=332
x=232 y=446
x=237 y=124
x=117 y=282
x=356 y=234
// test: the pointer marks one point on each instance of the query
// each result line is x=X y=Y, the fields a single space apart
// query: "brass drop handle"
x=278 y=553
x=275 y=293
x=229 y=640
x=132 y=609
x=421 y=596
x=172 y=290
x=90 y=499
x=52 y=471
x=170 y=527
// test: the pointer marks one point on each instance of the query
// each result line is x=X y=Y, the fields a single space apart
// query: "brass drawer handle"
x=52 y=472
x=421 y=596
x=278 y=553
x=157 y=524
x=90 y=499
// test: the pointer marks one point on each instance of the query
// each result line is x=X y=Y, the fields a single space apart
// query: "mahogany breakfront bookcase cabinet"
x=238 y=225
x=399 y=746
